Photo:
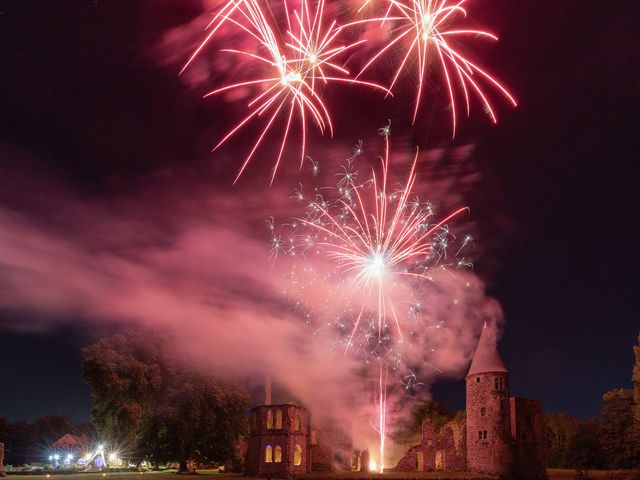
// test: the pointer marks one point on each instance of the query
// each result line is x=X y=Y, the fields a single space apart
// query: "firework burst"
x=378 y=242
x=293 y=68
x=383 y=247
x=427 y=33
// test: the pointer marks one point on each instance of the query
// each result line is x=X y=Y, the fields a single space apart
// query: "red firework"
x=294 y=64
x=425 y=30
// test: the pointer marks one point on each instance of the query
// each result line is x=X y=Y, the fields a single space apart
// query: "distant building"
x=500 y=435
x=283 y=442
x=69 y=442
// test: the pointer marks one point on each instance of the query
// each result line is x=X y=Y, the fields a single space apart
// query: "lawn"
x=391 y=476
x=214 y=475
x=554 y=474
x=560 y=474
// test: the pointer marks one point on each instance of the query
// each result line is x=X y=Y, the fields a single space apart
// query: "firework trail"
x=293 y=65
x=427 y=32
x=383 y=246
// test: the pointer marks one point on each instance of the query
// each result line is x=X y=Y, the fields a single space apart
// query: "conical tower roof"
x=487 y=359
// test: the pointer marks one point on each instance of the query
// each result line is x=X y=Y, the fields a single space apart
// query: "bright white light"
x=50 y=457
x=87 y=457
x=69 y=457
x=112 y=457
x=56 y=457
x=100 y=448
x=376 y=265
x=291 y=77
x=372 y=465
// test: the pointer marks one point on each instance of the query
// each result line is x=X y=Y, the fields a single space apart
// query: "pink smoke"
x=192 y=261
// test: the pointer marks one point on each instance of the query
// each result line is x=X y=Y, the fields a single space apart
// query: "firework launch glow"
x=383 y=245
x=297 y=51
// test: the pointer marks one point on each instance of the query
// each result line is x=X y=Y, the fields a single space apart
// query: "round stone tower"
x=489 y=443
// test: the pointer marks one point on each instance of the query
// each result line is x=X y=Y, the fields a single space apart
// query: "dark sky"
x=86 y=101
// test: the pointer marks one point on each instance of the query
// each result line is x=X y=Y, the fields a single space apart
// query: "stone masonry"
x=278 y=441
x=2 y=474
x=500 y=435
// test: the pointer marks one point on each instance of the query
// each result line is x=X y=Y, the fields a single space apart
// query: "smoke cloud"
x=192 y=261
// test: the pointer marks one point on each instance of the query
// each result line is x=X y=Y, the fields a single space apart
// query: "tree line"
x=610 y=440
x=28 y=442
x=159 y=408
x=148 y=403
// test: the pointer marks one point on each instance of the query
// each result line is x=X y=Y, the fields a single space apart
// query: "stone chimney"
x=267 y=390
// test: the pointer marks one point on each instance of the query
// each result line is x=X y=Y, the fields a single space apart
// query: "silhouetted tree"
x=148 y=398
x=586 y=450
x=198 y=419
x=560 y=429
x=126 y=374
x=15 y=442
x=31 y=442
x=619 y=439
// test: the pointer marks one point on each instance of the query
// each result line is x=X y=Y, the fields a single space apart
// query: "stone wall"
x=489 y=424
x=272 y=426
x=452 y=446
x=331 y=448
x=442 y=450
x=409 y=462
x=321 y=452
x=287 y=441
x=527 y=429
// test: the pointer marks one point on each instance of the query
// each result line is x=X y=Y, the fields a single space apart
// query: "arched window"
x=278 y=419
x=297 y=455
x=296 y=422
x=483 y=412
x=268 y=454
x=269 y=418
x=277 y=457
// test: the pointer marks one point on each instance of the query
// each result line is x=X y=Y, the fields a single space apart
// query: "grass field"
x=559 y=474
x=214 y=475
x=554 y=474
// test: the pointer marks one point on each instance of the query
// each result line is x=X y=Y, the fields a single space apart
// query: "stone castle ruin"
x=499 y=435
x=283 y=442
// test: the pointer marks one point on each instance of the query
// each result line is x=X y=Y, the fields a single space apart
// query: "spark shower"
x=296 y=53
x=383 y=243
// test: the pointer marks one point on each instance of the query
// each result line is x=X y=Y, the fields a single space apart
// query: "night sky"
x=92 y=112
